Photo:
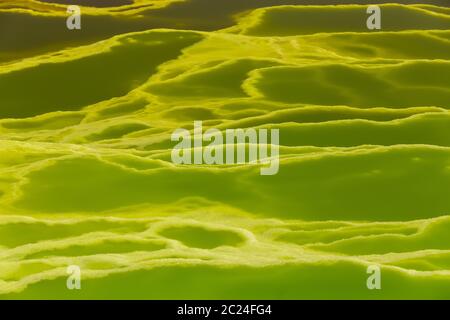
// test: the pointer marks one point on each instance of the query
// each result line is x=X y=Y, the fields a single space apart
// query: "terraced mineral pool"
x=86 y=177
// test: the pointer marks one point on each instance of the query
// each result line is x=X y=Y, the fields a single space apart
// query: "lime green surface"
x=86 y=176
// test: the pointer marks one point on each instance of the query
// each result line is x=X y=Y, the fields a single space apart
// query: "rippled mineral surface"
x=86 y=177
